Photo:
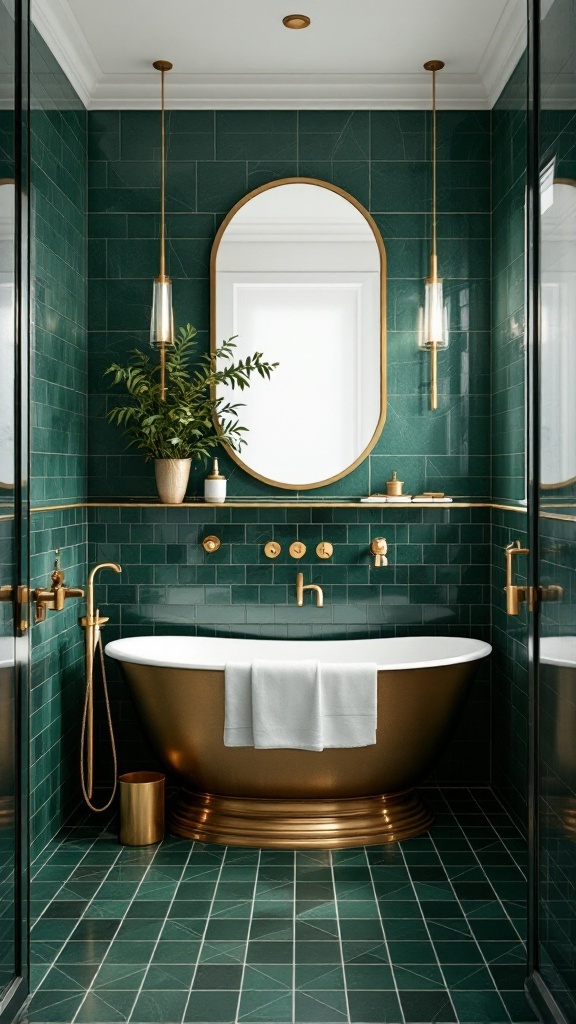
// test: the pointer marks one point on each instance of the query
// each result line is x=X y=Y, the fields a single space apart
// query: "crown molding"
x=68 y=44
x=98 y=91
x=277 y=92
x=504 y=50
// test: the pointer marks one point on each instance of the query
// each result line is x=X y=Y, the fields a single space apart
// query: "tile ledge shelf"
x=279 y=503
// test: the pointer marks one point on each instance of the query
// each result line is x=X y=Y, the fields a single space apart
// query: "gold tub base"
x=299 y=824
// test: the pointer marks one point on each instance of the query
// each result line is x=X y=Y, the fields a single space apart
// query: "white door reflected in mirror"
x=558 y=353
x=299 y=274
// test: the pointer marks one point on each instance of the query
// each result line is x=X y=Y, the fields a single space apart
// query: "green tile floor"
x=428 y=930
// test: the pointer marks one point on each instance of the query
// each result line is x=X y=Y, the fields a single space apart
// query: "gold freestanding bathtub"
x=298 y=798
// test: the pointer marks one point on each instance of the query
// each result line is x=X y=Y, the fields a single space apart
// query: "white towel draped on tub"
x=300 y=705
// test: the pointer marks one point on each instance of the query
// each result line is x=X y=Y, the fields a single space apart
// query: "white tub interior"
x=214 y=652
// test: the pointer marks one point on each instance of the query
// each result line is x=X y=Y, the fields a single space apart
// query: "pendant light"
x=433 y=333
x=162 y=322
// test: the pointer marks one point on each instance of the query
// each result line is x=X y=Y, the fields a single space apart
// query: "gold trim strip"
x=282 y=504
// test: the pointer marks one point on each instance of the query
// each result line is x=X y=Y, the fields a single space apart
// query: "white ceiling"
x=237 y=54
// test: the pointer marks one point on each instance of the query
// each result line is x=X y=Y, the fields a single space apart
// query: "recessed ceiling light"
x=296 y=21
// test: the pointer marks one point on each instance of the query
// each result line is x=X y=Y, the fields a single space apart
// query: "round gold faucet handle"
x=297 y=549
x=324 y=549
x=272 y=549
x=211 y=544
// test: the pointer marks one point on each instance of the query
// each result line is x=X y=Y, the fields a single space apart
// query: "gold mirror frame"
x=214 y=341
x=562 y=483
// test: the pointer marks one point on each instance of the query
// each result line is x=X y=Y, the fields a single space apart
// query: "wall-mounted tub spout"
x=379 y=548
x=92 y=623
x=300 y=588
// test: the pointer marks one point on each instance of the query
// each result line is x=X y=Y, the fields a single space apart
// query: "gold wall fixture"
x=324 y=549
x=433 y=326
x=211 y=544
x=162 y=321
x=297 y=549
x=53 y=599
x=379 y=548
x=272 y=549
x=300 y=589
x=515 y=595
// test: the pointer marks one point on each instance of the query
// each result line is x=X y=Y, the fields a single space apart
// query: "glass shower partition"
x=552 y=937
x=14 y=656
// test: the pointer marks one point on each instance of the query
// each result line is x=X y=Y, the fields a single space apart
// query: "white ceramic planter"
x=172 y=479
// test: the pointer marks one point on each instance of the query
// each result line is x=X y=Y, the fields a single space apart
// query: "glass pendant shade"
x=434 y=322
x=162 y=321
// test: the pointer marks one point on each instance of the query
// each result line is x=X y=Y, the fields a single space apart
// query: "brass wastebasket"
x=141 y=808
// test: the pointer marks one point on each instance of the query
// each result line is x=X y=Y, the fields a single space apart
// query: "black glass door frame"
x=14 y=993
x=537 y=987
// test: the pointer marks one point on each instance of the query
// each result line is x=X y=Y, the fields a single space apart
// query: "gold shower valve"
x=297 y=549
x=272 y=549
x=211 y=544
x=324 y=549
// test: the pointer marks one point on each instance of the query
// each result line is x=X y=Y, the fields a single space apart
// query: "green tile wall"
x=508 y=337
x=382 y=158
x=58 y=388
x=437 y=582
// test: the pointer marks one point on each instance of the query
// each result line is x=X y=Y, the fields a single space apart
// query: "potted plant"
x=189 y=421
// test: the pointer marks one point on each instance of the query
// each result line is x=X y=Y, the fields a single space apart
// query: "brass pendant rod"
x=434 y=267
x=162 y=188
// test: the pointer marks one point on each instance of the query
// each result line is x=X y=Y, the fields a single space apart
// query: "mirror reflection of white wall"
x=558 y=335
x=7 y=198
x=298 y=278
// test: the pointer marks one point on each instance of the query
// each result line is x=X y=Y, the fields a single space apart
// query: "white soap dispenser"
x=215 y=485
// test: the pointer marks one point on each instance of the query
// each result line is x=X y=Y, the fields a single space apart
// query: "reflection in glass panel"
x=7 y=545
x=557 y=535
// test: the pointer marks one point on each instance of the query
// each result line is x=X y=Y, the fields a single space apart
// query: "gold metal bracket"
x=211 y=544
x=21 y=596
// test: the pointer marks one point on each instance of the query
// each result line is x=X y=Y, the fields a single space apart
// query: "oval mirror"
x=298 y=273
x=558 y=319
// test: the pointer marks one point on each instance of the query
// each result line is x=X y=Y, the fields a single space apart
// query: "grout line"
x=484 y=961
x=66 y=880
x=147 y=968
x=340 y=935
x=294 y=938
x=439 y=965
x=247 y=935
x=384 y=939
x=203 y=939
x=100 y=965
